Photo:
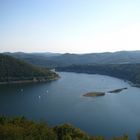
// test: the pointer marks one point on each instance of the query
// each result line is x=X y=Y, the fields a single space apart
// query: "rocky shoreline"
x=34 y=80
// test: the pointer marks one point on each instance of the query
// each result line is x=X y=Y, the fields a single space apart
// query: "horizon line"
x=68 y=52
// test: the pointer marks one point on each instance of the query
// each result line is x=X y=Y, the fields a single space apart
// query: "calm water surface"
x=61 y=101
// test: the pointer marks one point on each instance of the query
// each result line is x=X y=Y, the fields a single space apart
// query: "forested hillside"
x=122 y=57
x=20 y=128
x=12 y=69
x=38 y=59
x=130 y=72
x=54 y=60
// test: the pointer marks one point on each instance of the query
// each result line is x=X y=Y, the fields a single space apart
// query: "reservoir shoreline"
x=35 y=80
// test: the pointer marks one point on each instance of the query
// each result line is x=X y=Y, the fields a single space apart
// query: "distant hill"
x=122 y=57
x=53 y=60
x=39 y=59
x=13 y=70
x=130 y=72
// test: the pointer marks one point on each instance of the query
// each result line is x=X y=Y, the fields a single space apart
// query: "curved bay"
x=62 y=101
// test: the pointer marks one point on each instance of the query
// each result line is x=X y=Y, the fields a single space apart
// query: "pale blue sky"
x=76 y=26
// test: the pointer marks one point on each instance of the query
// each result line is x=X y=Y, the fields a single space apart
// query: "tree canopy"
x=19 y=128
x=12 y=69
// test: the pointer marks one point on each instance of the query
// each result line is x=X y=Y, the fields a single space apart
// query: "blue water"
x=61 y=101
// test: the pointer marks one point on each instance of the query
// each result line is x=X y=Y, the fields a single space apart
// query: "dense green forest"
x=19 y=128
x=12 y=69
x=130 y=72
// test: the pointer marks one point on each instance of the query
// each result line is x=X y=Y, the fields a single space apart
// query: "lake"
x=62 y=101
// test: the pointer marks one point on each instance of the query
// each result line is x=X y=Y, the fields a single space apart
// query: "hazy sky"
x=77 y=26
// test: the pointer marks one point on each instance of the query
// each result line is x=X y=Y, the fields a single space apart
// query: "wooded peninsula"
x=13 y=70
